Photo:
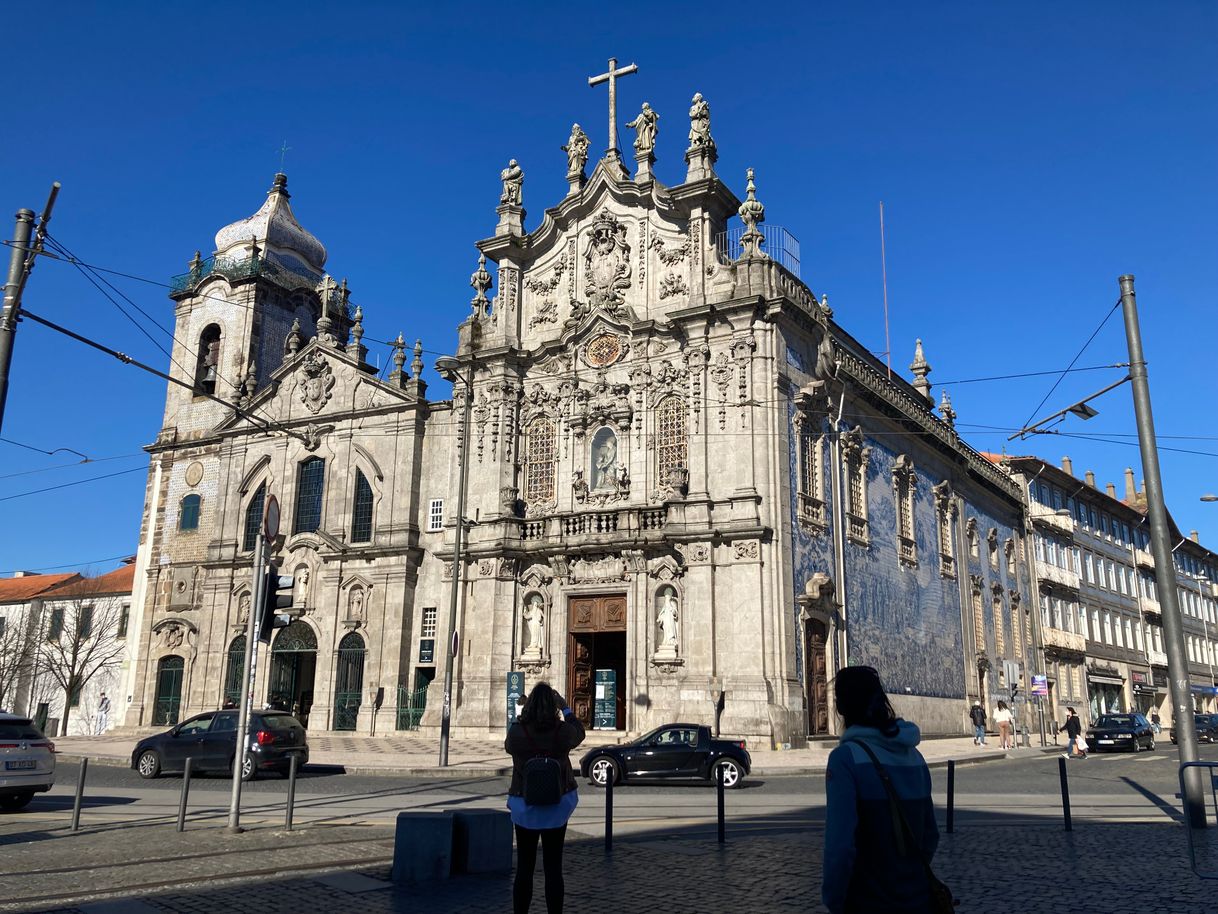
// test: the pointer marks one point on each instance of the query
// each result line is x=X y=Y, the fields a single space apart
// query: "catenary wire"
x=68 y=466
x=113 y=558
x=78 y=482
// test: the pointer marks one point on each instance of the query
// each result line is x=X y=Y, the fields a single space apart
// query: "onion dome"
x=276 y=228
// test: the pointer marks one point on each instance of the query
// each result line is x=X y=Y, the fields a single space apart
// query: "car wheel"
x=1150 y=747
x=733 y=774
x=249 y=770
x=602 y=771
x=16 y=801
x=149 y=764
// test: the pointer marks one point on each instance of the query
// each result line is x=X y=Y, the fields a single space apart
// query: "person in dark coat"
x=1074 y=730
x=546 y=727
x=977 y=716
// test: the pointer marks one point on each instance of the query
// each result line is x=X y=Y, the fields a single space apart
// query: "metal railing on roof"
x=780 y=244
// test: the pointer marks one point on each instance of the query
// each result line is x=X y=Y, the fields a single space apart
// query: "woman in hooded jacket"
x=864 y=869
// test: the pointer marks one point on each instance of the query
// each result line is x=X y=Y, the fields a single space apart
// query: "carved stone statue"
x=534 y=623
x=355 y=605
x=577 y=151
x=302 y=588
x=699 y=124
x=512 y=178
x=243 y=608
x=667 y=619
x=645 y=126
x=605 y=468
x=579 y=486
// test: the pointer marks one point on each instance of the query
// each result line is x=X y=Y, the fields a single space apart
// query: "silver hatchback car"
x=27 y=762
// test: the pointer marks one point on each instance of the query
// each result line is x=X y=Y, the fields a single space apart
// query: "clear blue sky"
x=1026 y=153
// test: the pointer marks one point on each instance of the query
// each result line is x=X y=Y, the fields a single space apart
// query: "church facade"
x=685 y=480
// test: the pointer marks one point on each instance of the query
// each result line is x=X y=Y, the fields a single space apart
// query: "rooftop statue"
x=577 y=151
x=699 y=124
x=645 y=125
x=512 y=178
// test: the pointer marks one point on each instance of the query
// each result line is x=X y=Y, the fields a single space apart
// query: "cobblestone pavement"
x=765 y=867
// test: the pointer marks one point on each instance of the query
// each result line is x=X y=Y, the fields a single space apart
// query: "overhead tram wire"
x=88 y=564
x=78 y=482
x=68 y=466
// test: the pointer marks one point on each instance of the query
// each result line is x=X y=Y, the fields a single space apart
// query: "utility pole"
x=20 y=265
x=1165 y=570
x=247 y=693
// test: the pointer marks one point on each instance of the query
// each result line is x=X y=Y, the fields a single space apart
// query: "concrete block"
x=482 y=841
x=423 y=846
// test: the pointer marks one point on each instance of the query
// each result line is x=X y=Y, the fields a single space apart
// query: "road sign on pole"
x=1040 y=686
x=270 y=520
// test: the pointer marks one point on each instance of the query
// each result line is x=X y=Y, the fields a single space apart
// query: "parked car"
x=27 y=762
x=211 y=740
x=1207 y=728
x=670 y=751
x=1112 y=732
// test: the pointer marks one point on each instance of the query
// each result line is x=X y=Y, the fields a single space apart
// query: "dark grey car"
x=210 y=739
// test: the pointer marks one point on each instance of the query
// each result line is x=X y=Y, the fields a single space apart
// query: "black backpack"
x=541 y=776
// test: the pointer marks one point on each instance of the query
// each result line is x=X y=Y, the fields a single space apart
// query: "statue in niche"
x=577 y=151
x=534 y=624
x=355 y=605
x=243 y=609
x=605 y=467
x=302 y=588
x=645 y=125
x=512 y=178
x=699 y=124
x=667 y=619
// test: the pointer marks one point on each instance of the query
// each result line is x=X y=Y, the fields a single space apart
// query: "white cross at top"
x=611 y=77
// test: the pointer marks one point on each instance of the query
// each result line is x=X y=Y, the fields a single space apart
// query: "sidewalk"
x=410 y=755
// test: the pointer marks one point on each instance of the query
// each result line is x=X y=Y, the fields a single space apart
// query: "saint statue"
x=243 y=608
x=645 y=125
x=355 y=605
x=577 y=151
x=534 y=620
x=512 y=178
x=667 y=618
x=302 y=588
x=699 y=124
x=605 y=468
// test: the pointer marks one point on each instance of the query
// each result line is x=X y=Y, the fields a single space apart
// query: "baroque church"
x=685 y=480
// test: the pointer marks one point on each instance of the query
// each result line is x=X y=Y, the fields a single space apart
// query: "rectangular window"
x=74 y=701
x=429 y=622
x=435 y=515
x=55 y=627
x=3 y=623
x=1107 y=628
x=1095 y=625
x=361 y=512
x=124 y=616
x=84 y=624
x=310 y=484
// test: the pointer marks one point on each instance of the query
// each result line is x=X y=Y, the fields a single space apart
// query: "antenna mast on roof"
x=884 y=280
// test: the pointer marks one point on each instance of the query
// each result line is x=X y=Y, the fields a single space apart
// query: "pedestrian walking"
x=977 y=716
x=880 y=830
x=1076 y=746
x=103 y=713
x=1003 y=717
x=1156 y=722
x=543 y=793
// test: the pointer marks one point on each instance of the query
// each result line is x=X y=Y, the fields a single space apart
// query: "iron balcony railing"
x=235 y=269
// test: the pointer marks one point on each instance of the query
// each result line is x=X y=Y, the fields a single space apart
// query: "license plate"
x=1105 y=742
x=20 y=764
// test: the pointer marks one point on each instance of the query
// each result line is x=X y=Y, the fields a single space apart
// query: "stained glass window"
x=310 y=484
x=188 y=515
x=253 y=518
x=672 y=444
x=539 y=475
x=361 y=522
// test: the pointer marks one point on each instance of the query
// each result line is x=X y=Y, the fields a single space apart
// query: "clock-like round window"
x=604 y=350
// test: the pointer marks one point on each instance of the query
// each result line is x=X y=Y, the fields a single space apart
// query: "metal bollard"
x=951 y=795
x=719 y=788
x=1061 y=773
x=287 y=820
x=185 y=793
x=80 y=792
x=609 y=813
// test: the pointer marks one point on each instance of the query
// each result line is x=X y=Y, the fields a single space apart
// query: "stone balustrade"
x=1064 y=640
x=1055 y=575
x=592 y=524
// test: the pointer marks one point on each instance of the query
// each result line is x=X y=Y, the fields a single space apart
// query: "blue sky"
x=1027 y=154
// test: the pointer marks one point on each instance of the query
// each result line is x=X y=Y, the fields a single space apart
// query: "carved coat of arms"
x=606 y=262
x=317 y=382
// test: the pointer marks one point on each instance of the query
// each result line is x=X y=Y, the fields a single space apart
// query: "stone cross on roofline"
x=612 y=154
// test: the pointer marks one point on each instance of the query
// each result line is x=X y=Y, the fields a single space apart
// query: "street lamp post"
x=448 y=370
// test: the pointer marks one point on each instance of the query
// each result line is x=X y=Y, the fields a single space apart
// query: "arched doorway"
x=293 y=666
x=168 y=691
x=234 y=672
x=816 y=678
x=349 y=681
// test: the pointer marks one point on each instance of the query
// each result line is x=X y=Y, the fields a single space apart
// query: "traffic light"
x=276 y=597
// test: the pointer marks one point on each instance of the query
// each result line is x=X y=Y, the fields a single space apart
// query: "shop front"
x=1141 y=683
x=1105 y=691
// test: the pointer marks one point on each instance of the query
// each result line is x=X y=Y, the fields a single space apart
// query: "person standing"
x=977 y=716
x=1074 y=736
x=549 y=729
x=1156 y=722
x=1002 y=717
x=868 y=863
x=103 y=713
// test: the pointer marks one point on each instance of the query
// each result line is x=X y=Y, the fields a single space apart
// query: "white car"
x=27 y=762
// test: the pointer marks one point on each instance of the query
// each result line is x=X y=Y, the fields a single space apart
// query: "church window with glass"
x=310 y=485
x=253 y=518
x=672 y=444
x=188 y=513
x=539 y=469
x=810 y=442
x=904 y=480
x=856 y=457
x=945 y=512
x=361 y=513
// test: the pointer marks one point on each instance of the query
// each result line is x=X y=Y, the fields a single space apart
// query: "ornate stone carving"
x=513 y=179
x=509 y=500
x=316 y=383
x=480 y=280
x=752 y=213
x=673 y=483
x=579 y=486
x=547 y=310
x=671 y=285
x=605 y=569
x=745 y=550
x=604 y=350
x=669 y=256
x=606 y=262
x=699 y=124
x=694 y=553
x=721 y=375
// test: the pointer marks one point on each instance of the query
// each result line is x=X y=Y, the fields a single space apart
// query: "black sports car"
x=670 y=751
x=211 y=741
x=1207 y=728
x=1112 y=732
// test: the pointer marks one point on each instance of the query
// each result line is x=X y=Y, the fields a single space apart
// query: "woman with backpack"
x=543 y=794
x=880 y=829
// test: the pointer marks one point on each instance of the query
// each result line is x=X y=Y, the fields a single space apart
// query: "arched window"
x=234 y=671
x=253 y=518
x=672 y=443
x=188 y=513
x=208 y=364
x=539 y=470
x=361 y=512
x=310 y=484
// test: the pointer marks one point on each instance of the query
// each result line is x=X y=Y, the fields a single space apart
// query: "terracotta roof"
x=19 y=590
x=118 y=581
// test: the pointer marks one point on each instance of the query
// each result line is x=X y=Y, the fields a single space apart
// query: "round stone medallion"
x=603 y=350
x=194 y=474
